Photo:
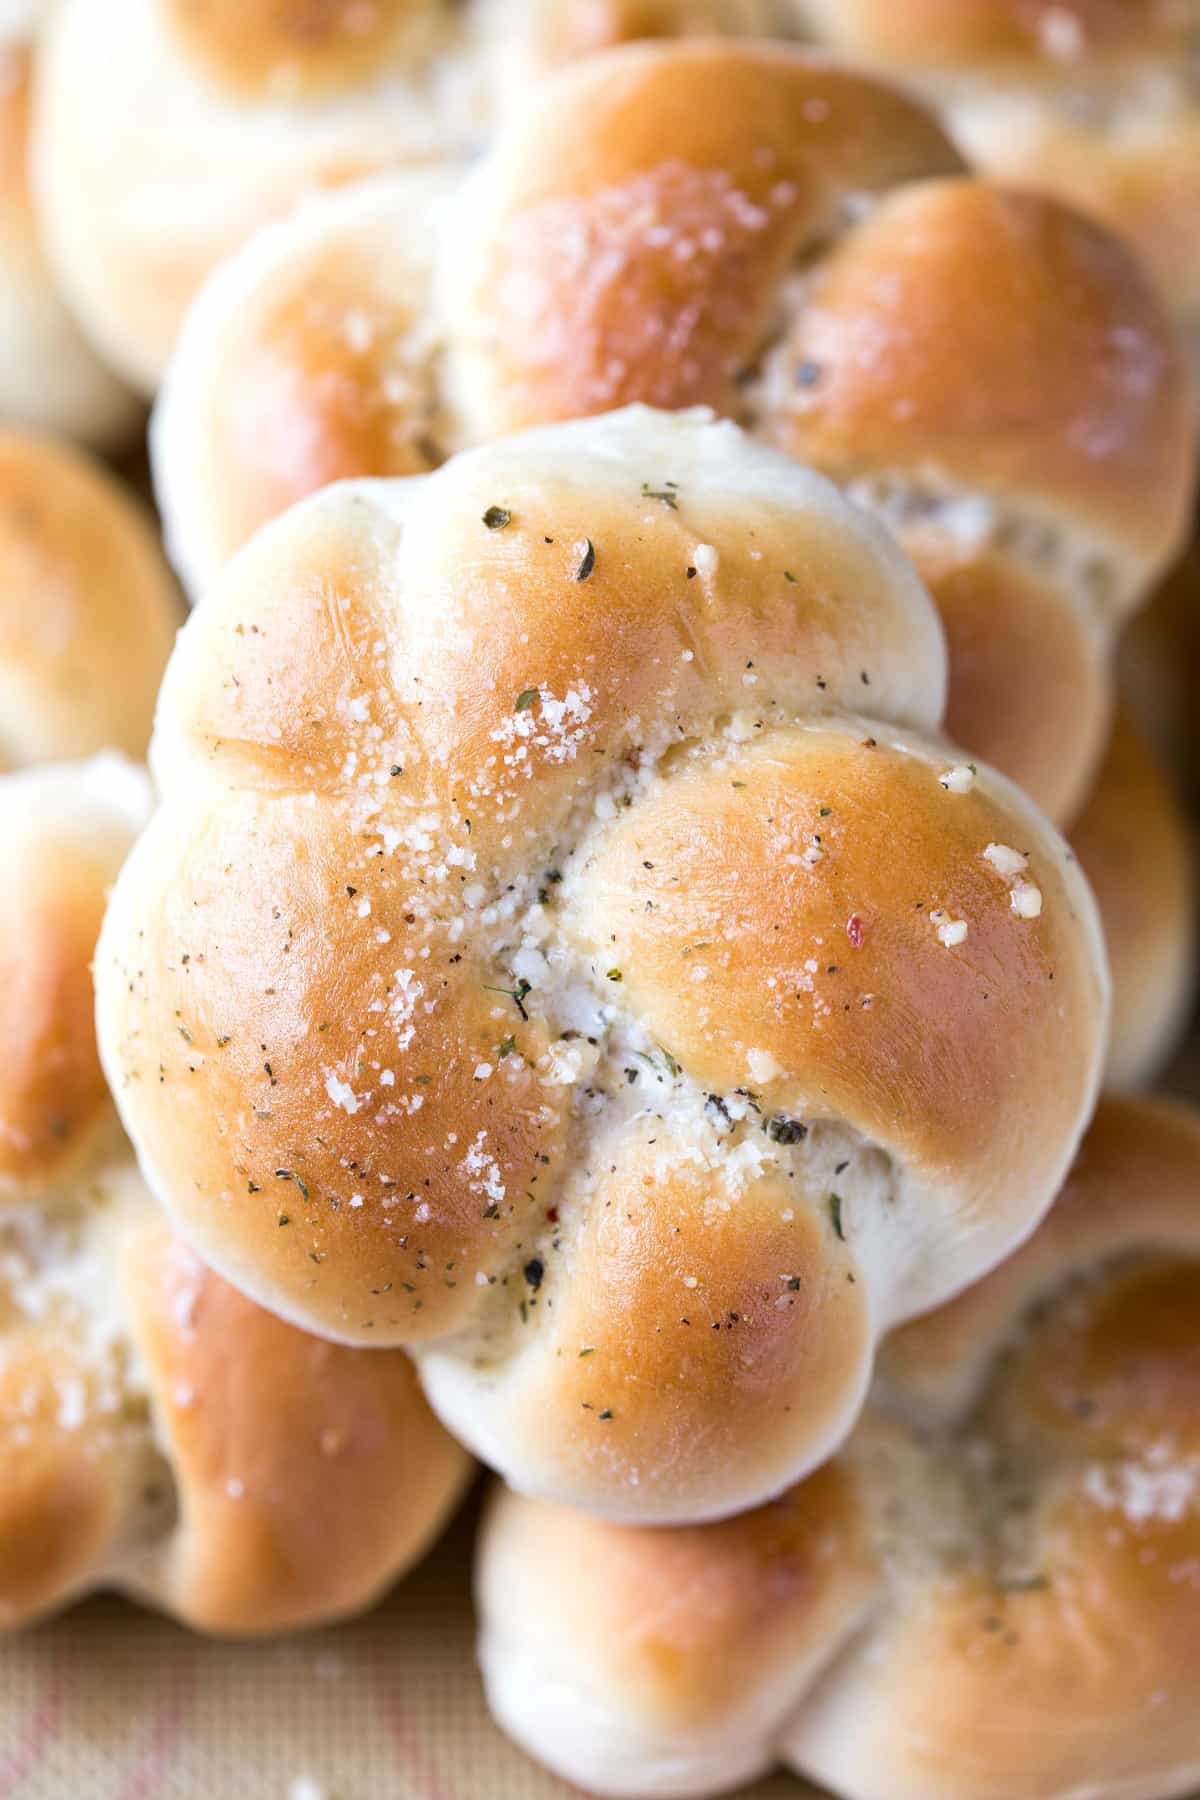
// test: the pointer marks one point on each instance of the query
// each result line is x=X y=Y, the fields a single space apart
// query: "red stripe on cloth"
x=41 y=1727
x=162 y=1737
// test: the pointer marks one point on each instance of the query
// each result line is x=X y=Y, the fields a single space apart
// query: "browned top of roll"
x=1057 y=34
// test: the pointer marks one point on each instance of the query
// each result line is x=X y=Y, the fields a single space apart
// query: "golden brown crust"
x=1135 y=847
x=219 y=128
x=88 y=609
x=1015 y=651
x=53 y=1092
x=753 y=1328
x=435 y=749
x=702 y=1614
x=1143 y=184
x=848 y=1040
x=318 y=379
x=308 y=358
x=308 y=1475
x=65 y=833
x=765 y=147
x=1134 y=1181
x=61 y=1497
x=160 y=1433
x=165 y=1437
x=314 y=46
x=925 y=34
x=1019 y=471
x=1016 y=1589
x=1092 y=100
x=754 y=228
x=170 y=130
x=1067 y=346
x=638 y=231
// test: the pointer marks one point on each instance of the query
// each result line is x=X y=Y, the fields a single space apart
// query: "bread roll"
x=88 y=609
x=167 y=130
x=160 y=1433
x=986 y=369
x=786 y=241
x=309 y=356
x=576 y=905
x=1093 y=100
x=1136 y=848
x=991 y=1594
x=51 y=378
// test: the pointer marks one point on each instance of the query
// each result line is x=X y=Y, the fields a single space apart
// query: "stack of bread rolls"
x=169 y=129
x=658 y=829
x=800 y=261
x=1094 y=101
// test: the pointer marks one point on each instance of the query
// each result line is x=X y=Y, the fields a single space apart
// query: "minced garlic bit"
x=1026 y=900
x=950 y=931
x=958 y=780
x=705 y=560
x=1005 y=860
x=1024 y=897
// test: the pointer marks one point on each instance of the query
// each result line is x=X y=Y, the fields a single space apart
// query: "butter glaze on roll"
x=617 y=731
